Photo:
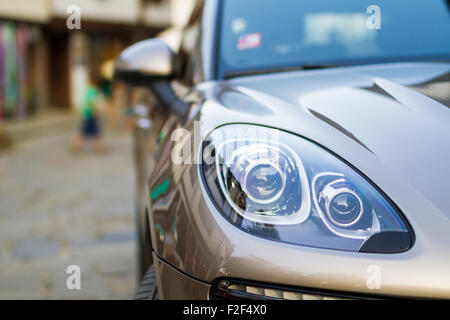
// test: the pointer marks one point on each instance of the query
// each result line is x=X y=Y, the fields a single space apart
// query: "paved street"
x=59 y=209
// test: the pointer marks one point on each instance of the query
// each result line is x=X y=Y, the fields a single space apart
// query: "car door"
x=166 y=193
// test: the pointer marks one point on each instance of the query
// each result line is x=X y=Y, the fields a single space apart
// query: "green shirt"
x=88 y=103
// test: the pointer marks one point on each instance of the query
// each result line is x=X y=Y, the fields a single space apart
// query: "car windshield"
x=270 y=35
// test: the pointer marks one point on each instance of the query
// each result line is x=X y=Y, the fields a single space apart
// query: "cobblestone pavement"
x=59 y=209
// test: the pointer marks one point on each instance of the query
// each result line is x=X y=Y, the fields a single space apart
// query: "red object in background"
x=249 y=41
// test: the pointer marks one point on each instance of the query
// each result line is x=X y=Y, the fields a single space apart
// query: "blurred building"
x=44 y=64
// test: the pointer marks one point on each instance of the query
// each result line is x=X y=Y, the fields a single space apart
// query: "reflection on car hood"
x=398 y=112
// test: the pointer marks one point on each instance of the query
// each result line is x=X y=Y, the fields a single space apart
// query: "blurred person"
x=90 y=109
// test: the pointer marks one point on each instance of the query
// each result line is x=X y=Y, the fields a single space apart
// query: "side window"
x=189 y=46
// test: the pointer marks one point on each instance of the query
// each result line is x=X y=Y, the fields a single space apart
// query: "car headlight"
x=279 y=186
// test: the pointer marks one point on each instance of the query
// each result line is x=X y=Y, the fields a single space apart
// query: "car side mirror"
x=151 y=63
x=144 y=62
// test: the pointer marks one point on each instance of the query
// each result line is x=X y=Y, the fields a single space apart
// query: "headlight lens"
x=263 y=183
x=278 y=186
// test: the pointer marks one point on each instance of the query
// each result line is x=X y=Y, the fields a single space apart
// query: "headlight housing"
x=279 y=186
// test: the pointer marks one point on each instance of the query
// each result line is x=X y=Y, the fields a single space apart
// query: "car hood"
x=398 y=113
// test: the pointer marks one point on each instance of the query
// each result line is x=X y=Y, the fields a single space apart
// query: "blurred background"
x=59 y=207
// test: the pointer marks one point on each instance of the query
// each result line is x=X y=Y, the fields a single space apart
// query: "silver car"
x=298 y=150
